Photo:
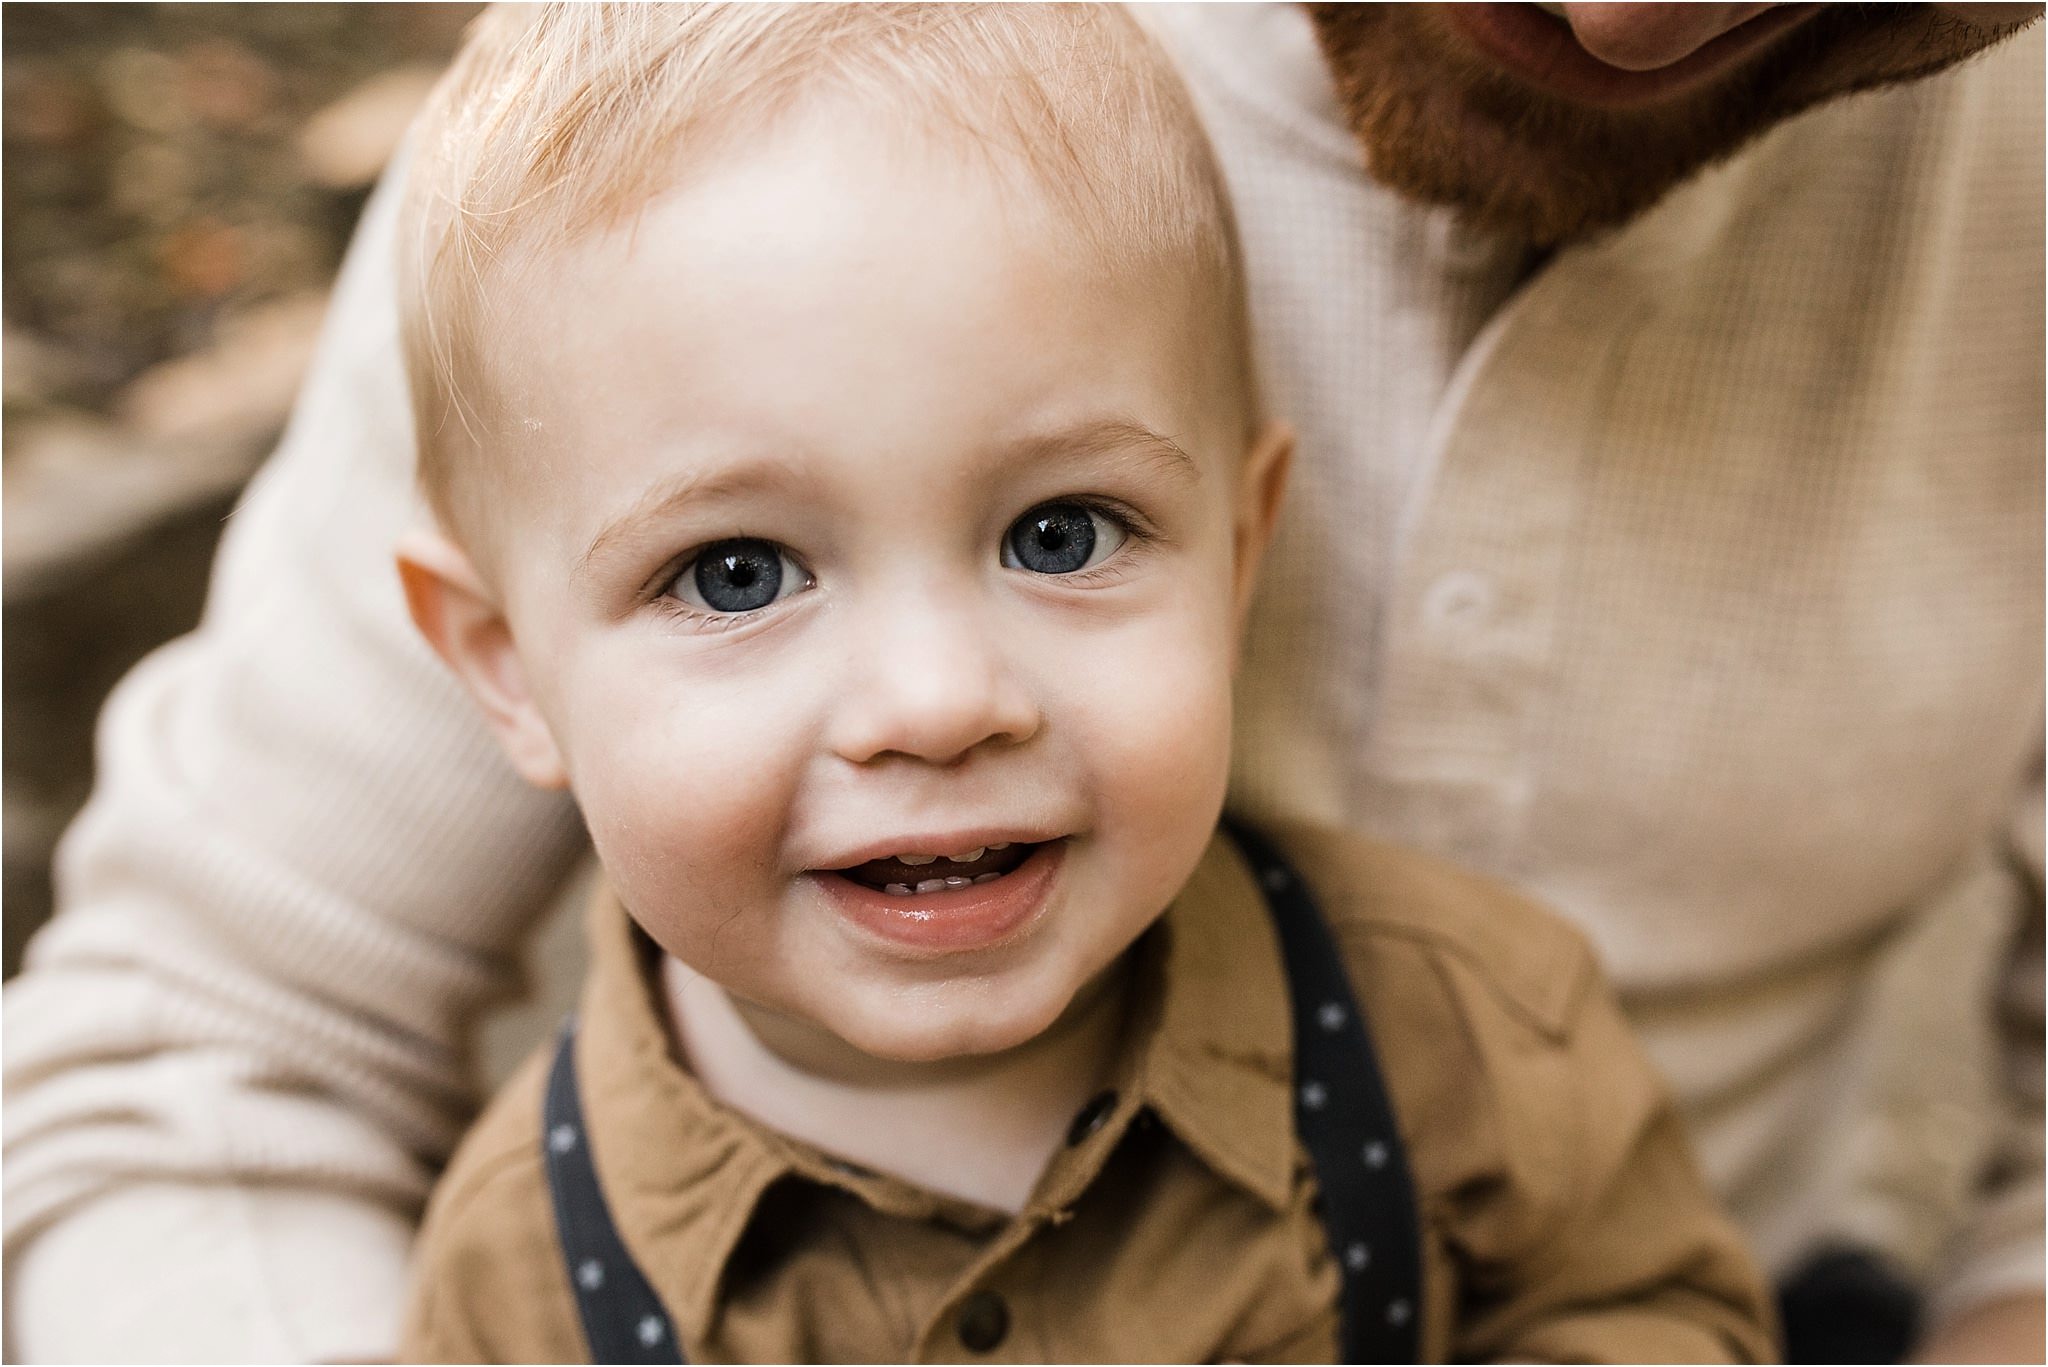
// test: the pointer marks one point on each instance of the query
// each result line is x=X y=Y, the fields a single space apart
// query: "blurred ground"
x=179 y=182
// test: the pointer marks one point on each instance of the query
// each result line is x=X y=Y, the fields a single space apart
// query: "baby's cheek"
x=686 y=805
x=1166 y=748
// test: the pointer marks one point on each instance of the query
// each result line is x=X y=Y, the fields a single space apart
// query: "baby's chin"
x=959 y=1020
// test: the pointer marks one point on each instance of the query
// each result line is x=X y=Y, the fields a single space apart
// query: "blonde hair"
x=559 y=120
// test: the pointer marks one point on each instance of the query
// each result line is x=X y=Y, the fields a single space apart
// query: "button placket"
x=966 y=1309
x=1472 y=614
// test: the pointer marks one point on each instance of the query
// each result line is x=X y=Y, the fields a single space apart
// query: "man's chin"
x=1520 y=172
x=1441 y=123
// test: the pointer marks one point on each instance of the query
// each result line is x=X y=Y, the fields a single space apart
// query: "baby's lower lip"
x=949 y=920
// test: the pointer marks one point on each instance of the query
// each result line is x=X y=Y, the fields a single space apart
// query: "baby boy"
x=849 y=483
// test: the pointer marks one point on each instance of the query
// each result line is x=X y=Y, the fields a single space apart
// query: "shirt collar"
x=1219 y=1064
x=1210 y=1052
x=681 y=1173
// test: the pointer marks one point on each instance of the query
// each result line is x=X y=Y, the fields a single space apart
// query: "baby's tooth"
x=1000 y=845
x=967 y=858
x=987 y=877
x=915 y=859
x=897 y=889
x=956 y=881
x=932 y=885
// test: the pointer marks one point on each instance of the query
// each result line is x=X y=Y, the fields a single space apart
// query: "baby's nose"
x=933 y=688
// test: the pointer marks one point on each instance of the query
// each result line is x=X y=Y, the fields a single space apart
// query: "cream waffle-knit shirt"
x=1692 y=581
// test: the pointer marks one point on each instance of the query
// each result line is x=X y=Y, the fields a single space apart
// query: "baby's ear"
x=459 y=615
x=1262 y=486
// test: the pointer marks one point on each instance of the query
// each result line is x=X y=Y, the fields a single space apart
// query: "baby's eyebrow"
x=689 y=486
x=1095 y=437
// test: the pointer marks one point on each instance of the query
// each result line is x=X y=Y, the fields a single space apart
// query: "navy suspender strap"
x=1341 y=1112
x=622 y=1317
x=1345 y=1121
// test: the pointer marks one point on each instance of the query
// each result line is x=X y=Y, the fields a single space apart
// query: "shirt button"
x=1091 y=1117
x=1460 y=600
x=1463 y=249
x=984 y=1320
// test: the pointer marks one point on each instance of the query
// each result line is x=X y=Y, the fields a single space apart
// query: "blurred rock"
x=226 y=85
x=202 y=259
x=51 y=108
x=37 y=370
x=347 y=144
x=78 y=488
x=238 y=389
x=143 y=88
x=155 y=182
x=189 y=431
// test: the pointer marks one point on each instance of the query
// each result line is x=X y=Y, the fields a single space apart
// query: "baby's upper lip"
x=952 y=842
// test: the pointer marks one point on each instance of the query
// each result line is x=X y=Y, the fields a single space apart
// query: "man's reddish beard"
x=1440 y=122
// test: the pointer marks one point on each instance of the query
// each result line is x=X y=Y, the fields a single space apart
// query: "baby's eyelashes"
x=1063 y=538
x=745 y=574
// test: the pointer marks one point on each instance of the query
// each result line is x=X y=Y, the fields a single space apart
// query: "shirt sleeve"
x=1603 y=1244
x=2001 y=1252
x=303 y=871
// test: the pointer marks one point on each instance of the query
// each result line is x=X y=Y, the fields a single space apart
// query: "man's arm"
x=1989 y=1308
x=239 y=1053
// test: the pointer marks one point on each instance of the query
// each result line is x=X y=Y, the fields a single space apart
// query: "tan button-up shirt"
x=1562 y=1216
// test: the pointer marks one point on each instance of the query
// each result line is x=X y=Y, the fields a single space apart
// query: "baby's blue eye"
x=738 y=576
x=1060 y=538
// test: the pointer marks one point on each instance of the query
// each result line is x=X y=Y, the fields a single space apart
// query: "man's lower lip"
x=1539 y=49
x=954 y=920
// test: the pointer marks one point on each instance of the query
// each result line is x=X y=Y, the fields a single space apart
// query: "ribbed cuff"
x=2001 y=1256
x=166 y=1272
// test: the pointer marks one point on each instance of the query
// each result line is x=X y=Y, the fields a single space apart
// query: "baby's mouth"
x=911 y=872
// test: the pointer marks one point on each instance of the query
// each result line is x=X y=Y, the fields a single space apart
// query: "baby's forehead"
x=837 y=236
x=1070 y=117
x=1047 y=190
